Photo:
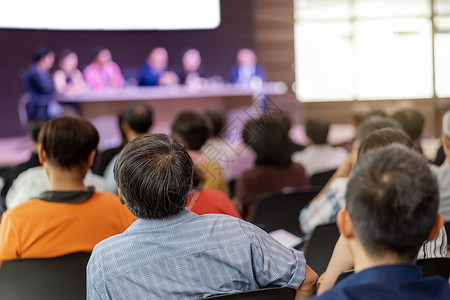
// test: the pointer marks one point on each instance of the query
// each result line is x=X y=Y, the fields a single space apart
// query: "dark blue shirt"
x=388 y=283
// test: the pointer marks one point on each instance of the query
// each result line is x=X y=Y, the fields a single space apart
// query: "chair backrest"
x=62 y=277
x=262 y=294
x=435 y=266
x=281 y=210
x=447 y=229
x=343 y=275
x=319 y=248
x=322 y=178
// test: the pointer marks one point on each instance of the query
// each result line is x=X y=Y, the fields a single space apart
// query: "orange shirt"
x=38 y=228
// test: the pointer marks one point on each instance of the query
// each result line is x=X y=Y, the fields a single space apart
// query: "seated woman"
x=191 y=130
x=273 y=169
x=209 y=201
x=68 y=79
x=103 y=72
x=70 y=217
x=192 y=72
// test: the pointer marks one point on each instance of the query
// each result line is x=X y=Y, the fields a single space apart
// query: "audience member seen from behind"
x=412 y=122
x=209 y=201
x=325 y=206
x=319 y=156
x=190 y=129
x=202 y=255
x=443 y=172
x=234 y=158
x=137 y=119
x=68 y=79
x=192 y=72
x=33 y=161
x=38 y=83
x=103 y=72
x=155 y=70
x=341 y=260
x=391 y=208
x=247 y=69
x=273 y=168
x=71 y=217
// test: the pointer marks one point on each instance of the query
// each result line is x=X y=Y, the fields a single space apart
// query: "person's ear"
x=436 y=227
x=41 y=154
x=345 y=224
x=120 y=197
x=91 y=158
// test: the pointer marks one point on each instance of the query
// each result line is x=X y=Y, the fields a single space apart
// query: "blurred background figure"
x=155 y=71
x=192 y=72
x=68 y=79
x=38 y=83
x=319 y=156
x=273 y=168
x=103 y=72
x=412 y=122
x=247 y=68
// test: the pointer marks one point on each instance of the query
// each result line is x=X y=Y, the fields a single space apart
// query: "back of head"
x=191 y=129
x=317 y=130
x=268 y=137
x=139 y=117
x=392 y=198
x=34 y=127
x=68 y=141
x=374 y=123
x=216 y=120
x=383 y=137
x=412 y=122
x=154 y=176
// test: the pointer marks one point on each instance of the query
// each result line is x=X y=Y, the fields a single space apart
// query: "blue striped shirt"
x=190 y=257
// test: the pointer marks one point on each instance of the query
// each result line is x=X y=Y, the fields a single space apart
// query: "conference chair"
x=319 y=248
x=62 y=277
x=320 y=179
x=435 y=266
x=262 y=294
x=280 y=210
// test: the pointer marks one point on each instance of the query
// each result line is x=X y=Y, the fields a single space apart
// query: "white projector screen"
x=110 y=14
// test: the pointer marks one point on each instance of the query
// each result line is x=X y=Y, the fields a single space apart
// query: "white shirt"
x=320 y=158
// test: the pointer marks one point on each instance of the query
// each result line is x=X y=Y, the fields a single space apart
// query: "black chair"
x=262 y=294
x=281 y=210
x=447 y=229
x=320 y=179
x=62 y=277
x=435 y=266
x=319 y=248
x=343 y=275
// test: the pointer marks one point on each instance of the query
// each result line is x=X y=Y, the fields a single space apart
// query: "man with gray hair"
x=443 y=172
x=170 y=252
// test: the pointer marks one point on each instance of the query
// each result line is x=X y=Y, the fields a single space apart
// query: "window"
x=371 y=49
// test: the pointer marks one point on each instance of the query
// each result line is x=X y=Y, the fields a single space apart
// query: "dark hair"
x=154 y=176
x=392 y=198
x=65 y=53
x=317 y=129
x=191 y=128
x=96 y=51
x=412 y=121
x=68 y=141
x=139 y=116
x=269 y=138
x=33 y=129
x=41 y=52
x=374 y=123
x=216 y=119
x=383 y=137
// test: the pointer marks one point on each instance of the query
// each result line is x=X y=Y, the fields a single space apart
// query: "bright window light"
x=110 y=14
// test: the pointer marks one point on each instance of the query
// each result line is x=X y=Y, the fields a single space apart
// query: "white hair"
x=446 y=124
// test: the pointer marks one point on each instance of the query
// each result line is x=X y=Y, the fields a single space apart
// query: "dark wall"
x=129 y=48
